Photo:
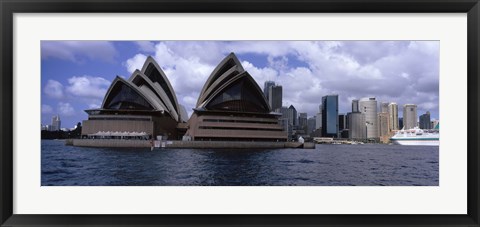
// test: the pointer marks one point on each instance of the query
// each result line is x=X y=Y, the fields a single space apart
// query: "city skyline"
x=75 y=75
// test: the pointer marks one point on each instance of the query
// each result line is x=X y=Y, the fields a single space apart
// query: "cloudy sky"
x=76 y=74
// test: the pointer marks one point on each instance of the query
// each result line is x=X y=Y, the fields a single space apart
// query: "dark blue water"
x=327 y=165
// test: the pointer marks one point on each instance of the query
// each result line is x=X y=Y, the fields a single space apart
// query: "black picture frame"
x=10 y=7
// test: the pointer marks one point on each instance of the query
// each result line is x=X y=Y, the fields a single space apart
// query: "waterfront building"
x=56 y=123
x=275 y=97
x=425 y=121
x=409 y=116
x=400 y=123
x=330 y=116
x=266 y=89
x=368 y=106
x=393 y=116
x=383 y=126
x=144 y=104
x=232 y=107
x=357 y=129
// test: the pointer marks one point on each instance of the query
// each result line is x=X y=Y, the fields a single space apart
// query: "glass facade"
x=240 y=96
x=330 y=116
x=123 y=97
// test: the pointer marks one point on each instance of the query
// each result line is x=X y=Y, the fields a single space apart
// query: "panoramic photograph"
x=240 y=113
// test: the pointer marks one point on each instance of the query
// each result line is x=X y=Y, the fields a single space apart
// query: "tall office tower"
x=302 y=121
x=355 y=106
x=368 y=106
x=318 y=122
x=56 y=123
x=393 y=116
x=425 y=121
x=330 y=116
x=356 y=123
x=384 y=107
x=409 y=116
x=400 y=123
x=342 y=121
x=266 y=87
x=311 y=124
x=292 y=116
x=275 y=97
x=383 y=124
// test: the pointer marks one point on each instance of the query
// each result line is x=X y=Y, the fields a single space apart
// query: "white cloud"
x=78 y=51
x=53 y=89
x=135 y=63
x=392 y=71
x=46 y=109
x=65 y=109
x=87 y=86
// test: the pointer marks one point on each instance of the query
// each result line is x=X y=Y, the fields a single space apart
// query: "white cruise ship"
x=417 y=137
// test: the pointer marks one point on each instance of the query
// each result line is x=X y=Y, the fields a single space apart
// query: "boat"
x=417 y=136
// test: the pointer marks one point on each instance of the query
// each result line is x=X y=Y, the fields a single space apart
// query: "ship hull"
x=413 y=142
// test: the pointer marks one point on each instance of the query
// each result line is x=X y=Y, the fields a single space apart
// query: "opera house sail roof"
x=231 y=106
x=147 y=96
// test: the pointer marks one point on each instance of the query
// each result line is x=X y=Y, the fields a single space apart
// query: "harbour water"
x=326 y=165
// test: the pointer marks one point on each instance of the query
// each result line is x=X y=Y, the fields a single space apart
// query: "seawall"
x=186 y=144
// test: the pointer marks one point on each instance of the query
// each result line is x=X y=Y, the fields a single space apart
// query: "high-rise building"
x=384 y=107
x=330 y=116
x=409 y=116
x=357 y=129
x=342 y=121
x=425 y=121
x=400 y=123
x=266 y=88
x=275 y=97
x=355 y=106
x=292 y=115
x=56 y=123
x=318 y=124
x=393 y=116
x=302 y=121
x=368 y=106
x=311 y=123
x=383 y=124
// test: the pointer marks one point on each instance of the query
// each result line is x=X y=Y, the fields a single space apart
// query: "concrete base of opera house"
x=186 y=144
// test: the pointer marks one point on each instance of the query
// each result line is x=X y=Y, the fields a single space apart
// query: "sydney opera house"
x=231 y=107
x=145 y=105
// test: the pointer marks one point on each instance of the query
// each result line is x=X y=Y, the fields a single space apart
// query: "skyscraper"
x=393 y=116
x=275 y=97
x=311 y=125
x=409 y=116
x=330 y=116
x=266 y=87
x=383 y=124
x=292 y=115
x=318 y=120
x=356 y=124
x=368 y=106
x=425 y=121
x=56 y=123
x=355 y=106
x=302 y=121
x=384 y=107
